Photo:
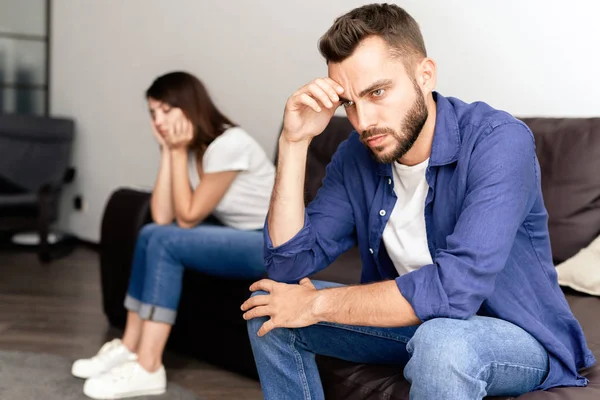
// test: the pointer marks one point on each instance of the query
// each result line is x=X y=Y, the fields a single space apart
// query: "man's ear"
x=426 y=75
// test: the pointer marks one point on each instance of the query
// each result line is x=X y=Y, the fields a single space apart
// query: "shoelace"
x=107 y=351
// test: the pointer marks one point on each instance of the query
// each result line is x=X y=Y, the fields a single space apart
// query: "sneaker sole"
x=137 y=393
x=80 y=376
x=83 y=376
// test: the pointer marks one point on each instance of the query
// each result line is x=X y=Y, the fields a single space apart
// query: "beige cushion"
x=582 y=271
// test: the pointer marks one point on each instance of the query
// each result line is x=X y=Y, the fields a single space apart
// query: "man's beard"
x=411 y=128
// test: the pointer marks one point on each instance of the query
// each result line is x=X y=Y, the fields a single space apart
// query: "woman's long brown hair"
x=185 y=91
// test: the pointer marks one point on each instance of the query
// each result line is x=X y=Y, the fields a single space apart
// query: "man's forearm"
x=379 y=304
x=286 y=212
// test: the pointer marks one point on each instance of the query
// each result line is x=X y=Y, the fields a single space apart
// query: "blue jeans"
x=163 y=252
x=442 y=358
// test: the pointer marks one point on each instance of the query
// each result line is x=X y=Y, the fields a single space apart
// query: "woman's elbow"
x=189 y=219
x=184 y=223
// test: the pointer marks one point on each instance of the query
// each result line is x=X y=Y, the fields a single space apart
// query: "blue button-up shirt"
x=486 y=223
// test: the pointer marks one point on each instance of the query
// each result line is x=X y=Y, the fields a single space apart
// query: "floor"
x=56 y=308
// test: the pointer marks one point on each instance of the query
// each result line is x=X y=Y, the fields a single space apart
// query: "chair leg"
x=44 y=228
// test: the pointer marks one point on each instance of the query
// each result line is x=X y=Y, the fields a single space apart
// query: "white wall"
x=531 y=58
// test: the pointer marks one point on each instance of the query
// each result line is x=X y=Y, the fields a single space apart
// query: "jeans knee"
x=254 y=324
x=159 y=241
x=148 y=230
x=441 y=346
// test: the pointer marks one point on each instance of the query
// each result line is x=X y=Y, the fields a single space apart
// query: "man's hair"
x=387 y=21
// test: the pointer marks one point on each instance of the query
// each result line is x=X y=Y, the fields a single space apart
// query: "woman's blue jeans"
x=163 y=252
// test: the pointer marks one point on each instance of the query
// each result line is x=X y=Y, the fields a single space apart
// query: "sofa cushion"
x=582 y=271
x=569 y=153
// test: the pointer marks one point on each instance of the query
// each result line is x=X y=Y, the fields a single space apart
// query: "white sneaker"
x=126 y=380
x=111 y=354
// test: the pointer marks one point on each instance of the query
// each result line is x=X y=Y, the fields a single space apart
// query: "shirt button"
x=382 y=213
x=389 y=181
x=370 y=250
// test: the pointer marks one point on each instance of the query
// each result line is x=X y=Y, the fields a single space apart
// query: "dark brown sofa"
x=569 y=153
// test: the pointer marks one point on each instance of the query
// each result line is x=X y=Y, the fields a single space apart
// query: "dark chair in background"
x=35 y=156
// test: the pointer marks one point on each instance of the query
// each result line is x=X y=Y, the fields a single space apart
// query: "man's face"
x=384 y=104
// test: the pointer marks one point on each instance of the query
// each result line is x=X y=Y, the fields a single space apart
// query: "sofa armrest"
x=126 y=211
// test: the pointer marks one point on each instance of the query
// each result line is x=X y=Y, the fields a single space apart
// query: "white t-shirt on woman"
x=246 y=202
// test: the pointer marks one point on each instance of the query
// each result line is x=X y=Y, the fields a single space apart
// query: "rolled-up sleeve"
x=502 y=181
x=328 y=231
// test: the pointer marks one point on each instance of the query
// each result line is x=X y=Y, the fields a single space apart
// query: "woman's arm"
x=191 y=207
x=161 y=204
x=162 y=200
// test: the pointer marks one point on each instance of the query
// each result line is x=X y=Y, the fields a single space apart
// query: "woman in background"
x=209 y=166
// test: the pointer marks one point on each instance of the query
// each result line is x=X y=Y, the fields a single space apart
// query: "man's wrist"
x=321 y=306
x=286 y=144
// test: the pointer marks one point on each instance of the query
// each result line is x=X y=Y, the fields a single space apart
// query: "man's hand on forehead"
x=310 y=108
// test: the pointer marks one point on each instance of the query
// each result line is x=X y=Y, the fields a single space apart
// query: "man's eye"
x=378 y=92
x=348 y=104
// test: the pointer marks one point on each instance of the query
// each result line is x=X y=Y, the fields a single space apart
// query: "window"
x=24 y=56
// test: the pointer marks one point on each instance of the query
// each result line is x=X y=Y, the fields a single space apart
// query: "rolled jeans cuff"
x=150 y=312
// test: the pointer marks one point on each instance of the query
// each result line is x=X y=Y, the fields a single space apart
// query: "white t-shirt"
x=404 y=235
x=246 y=202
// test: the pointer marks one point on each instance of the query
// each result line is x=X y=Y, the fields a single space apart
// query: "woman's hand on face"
x=158 y=136
x=181 y=130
